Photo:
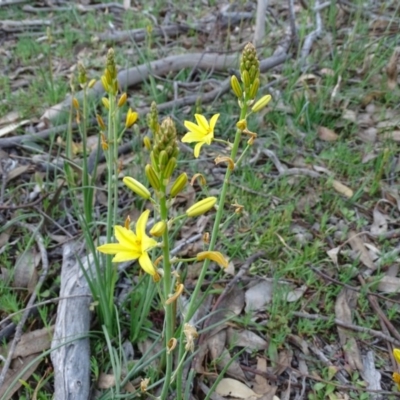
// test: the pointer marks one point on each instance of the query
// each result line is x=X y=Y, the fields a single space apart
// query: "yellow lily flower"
x=201 y=133
x=396 y=375
x=132 y=246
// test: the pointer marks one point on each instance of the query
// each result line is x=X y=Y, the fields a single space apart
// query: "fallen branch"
x=71 y=362
x=356 y=328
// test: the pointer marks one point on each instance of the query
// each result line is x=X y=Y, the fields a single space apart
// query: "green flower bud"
x=201 y=207
x=152 y=177
x=137 y=187
x=260 y=104
x=178 y=185
x=170 y=168
x=158 y=229
x=236 y=87
x=254 y=89
x=163 y=159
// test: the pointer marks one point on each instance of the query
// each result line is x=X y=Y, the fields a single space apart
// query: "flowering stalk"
x=111 y=155
x=249 y=73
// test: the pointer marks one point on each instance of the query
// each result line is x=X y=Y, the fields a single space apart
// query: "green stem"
x=193 y=305
x=167 y=281
x=111 y=159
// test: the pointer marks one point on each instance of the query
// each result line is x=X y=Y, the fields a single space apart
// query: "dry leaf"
x=391 y=70
x=371 y=375
x=357 y=245
x=216 y=344
x=349 y=115
x=389 y=284
x=32 y=343
x=106 y=381
x=345 y=303
x=25 y=273
x=342 y=189
x=258 y=296
x=234 y=388
x=245 y=338
x=327 y=134
x=296 y=294
x=234 y=370
x=12 y=127
x=380 y=224
x=21 y=371
x=393 y=135
x=261 y=385
x=333 y=254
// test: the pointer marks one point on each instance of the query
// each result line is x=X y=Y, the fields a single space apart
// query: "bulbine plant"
x=130 y=240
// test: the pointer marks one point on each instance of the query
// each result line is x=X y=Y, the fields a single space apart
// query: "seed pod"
x=178 y=185
x=201 y=207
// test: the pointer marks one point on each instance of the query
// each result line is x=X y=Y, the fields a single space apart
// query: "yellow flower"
x=396 y=375
x=201 y=133
x=396 y=354
x=396 y=379
x=132 y=246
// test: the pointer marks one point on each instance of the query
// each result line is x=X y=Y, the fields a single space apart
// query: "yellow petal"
x=197 y=149
x=213 y=121
x=202 y=122
x=141 y=225
x=147 y=243
x=396 y=353
x=110 y=248
x=146 y=264
x=191 y=137
x=209 y=138
x=190 y=126
x=213 y=256
x=396 y=377
x=125 y=237
x=122 y=256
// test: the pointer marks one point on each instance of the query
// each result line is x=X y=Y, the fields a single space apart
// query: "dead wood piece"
x=12 y=2
x=79 y=7
x=356 y=328
x=259 y=31
x=310 y=38
x=12 y=26
x=205 y=24
x=139 y=35
x=71 y=348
